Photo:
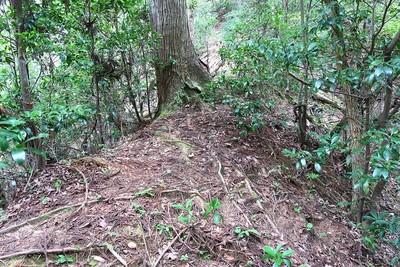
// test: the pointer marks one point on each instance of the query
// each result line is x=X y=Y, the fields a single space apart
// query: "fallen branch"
x=112 y=174
x=86 y=186
x=168 y=247
x=222 y=177
x=28 y=182
x=55 y=211
x=325 y=100
x=38 y=218
x=227 y=192
x=48 y=251
x=145 y=243
x=273 y=225
x=117 y=256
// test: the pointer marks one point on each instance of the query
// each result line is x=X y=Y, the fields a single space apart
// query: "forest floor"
x=117 y=208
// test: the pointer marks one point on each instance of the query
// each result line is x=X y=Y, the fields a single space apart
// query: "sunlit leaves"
x=18 y=155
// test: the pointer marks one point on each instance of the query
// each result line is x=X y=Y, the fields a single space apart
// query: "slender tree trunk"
x=179 y=72
x=301 y=108
x=146 y=73
x=353 y=113
x=27 y=105
x=95 y=77
x=131 y=93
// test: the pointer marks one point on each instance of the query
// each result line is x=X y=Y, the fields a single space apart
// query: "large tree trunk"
x=179 y=72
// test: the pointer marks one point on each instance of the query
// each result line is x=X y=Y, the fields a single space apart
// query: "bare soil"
x=116 y=208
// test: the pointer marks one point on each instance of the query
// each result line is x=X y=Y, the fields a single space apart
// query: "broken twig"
x=168 y=247
x=227 y=192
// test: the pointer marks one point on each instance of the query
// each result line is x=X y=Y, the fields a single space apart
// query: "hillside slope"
x=116 y=208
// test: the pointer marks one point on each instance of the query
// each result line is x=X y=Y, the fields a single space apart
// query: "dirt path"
x=124 y=214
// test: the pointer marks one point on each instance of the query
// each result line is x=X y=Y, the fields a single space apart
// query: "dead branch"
x=168 y=247
x=117 y=256
x=302 y=81
x=320 y=97
x=48 y=251
x=112 y=174
x=145 y=243
x=40 y=217
x=259 y=204
x=299 y=79
x=55 y=211
x=227 y=192
x=86 y=186
x=222 y=177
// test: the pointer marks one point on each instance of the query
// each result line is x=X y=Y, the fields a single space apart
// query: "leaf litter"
x=116 y=208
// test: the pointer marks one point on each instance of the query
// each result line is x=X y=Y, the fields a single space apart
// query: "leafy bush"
x=14 y=135
x=277 y=256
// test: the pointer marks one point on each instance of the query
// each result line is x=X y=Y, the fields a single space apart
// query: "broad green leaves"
x=277 y=256
x=18 y=155
x=13 y=139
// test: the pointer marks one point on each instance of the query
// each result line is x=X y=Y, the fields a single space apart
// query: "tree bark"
x=179 y=72
x=26 y=93
x=353 y=113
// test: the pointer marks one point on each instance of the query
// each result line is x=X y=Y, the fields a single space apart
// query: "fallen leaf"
x=103 y=223
x=132 y=245
x=98 y=258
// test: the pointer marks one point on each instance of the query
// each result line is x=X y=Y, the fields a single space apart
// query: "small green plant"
x=277 y=256
x=57 y=184
x=186 y=216
x=276 y=184
x=297 y=208
x=329 y=143
x=309 y=226
x=184 y=257
x=64 y=259
x=105 y=170
x=112 y=234
x=312 y=176
x=165 y=229
x=245 y=232
x=138 y=208
x=212 y=209
x=380 y=226
x=278 y=188
x=44 y=199
x=148 y=192
x=205 y=254
x=14 y=135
